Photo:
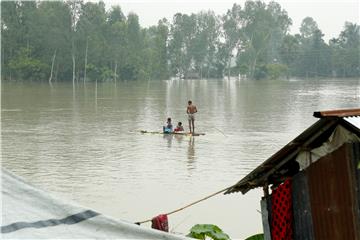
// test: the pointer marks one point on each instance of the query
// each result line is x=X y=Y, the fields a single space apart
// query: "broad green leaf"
x=259 y=236
x=201 y=231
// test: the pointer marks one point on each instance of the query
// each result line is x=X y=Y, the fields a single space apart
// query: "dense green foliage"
x=82 y=41
x=206 y=231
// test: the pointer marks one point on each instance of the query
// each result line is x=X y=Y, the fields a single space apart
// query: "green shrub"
x=201 y=231
x=276 y=70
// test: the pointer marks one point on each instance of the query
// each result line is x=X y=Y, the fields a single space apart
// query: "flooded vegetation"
x=39 y=42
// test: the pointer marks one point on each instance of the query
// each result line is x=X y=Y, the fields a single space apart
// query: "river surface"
x=84 y=144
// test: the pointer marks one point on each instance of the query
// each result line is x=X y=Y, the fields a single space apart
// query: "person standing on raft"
x=191 y=110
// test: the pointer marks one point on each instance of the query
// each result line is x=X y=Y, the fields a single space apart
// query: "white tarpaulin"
x=340 y=136
x=30 y=213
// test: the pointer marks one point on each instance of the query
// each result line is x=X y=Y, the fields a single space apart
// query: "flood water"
x=84 y=144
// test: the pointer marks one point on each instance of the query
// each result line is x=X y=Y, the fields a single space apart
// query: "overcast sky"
x=329 y=14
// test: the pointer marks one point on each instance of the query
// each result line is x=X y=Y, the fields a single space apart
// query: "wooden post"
x=266 y=190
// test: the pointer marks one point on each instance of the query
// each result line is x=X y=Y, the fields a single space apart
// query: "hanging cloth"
x=282 y=214
x=160 y=223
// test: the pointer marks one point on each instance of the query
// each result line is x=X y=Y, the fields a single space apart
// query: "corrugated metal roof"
x=303 y=224
x=355 y=112
x=271 y=169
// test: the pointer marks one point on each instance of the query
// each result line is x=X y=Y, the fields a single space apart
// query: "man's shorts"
x=191 y=116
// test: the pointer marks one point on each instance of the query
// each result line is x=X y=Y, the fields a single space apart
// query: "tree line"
x=82 y=41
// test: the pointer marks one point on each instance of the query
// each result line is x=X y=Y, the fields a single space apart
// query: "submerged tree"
x=314 y=55
x=231 y=25
x=181 y=43
x=53 y=19
x=155 y=51
x=116 y=39
x=346 y=51
x=75 y=8
x=91 y=42
x=263 y=30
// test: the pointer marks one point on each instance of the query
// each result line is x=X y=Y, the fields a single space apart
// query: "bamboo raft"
x=172 y=133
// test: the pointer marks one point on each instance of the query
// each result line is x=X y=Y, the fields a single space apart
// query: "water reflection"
x=179 y=139
x=191 y=152
x=189 y=145
x=168 y=138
